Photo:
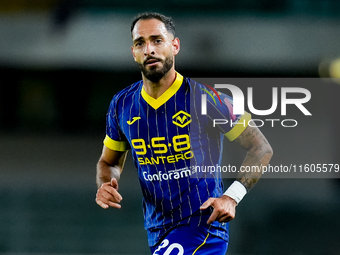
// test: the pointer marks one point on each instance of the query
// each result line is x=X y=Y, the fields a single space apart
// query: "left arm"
x=259 y=153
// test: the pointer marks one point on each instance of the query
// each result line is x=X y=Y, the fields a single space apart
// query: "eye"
x=138 y=44
x=158 y=40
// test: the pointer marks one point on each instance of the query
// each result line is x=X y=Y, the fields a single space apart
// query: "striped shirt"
x=169 y=138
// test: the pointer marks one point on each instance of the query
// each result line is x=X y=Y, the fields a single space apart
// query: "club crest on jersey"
x=181 y=119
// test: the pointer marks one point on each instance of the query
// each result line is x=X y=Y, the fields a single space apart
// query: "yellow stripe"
x=238 y=128
x=156 y=103
x=205 y=240
x=116 y=145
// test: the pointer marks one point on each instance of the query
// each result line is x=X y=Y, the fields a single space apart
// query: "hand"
x=107 y=195
x=224 y=209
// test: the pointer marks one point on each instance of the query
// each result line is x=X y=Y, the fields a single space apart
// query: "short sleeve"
x=220 y=111
x=115 y=138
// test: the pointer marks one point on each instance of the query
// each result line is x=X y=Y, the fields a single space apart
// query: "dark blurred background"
x=61 y=61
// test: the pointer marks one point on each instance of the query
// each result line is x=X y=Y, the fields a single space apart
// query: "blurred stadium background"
x=61 y=61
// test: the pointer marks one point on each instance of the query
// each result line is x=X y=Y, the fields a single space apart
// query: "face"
x=154 y=48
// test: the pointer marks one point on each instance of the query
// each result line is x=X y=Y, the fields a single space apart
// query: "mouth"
x=151 y=62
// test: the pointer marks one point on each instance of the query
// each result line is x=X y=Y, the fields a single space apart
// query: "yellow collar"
x=156 y=103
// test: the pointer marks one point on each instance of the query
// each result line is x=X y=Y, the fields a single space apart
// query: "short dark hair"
x=168 y=22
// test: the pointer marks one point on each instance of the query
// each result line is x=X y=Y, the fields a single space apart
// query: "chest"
x=164 y=130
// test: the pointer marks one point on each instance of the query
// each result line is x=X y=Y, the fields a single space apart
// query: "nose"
x=149 y=50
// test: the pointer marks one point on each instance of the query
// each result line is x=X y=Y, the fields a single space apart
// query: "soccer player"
x=159 y=119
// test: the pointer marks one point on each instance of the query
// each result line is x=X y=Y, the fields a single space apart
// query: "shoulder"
x=198 y=89
x=192 y=84
x=129 y=90
x=126 y=94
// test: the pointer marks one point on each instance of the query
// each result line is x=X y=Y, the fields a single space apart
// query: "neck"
x=156 y=89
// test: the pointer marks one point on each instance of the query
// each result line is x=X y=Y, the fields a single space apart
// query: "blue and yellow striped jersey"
x=169 y=137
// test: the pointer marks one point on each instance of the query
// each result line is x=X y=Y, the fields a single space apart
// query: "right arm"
x=109 y=169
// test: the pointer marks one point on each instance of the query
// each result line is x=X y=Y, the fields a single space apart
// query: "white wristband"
x=236 y=191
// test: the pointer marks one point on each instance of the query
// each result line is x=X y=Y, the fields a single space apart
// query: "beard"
x=153 y=74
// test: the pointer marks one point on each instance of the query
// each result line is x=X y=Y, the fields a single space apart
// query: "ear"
x=133 y=53
x=176 y=46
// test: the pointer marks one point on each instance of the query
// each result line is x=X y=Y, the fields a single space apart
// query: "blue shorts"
x=188 y=240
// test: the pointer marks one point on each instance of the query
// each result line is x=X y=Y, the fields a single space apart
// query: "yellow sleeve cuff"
x=116 y=145
x=239 y=127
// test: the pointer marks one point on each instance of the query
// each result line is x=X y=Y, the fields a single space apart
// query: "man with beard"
x=159 y=119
